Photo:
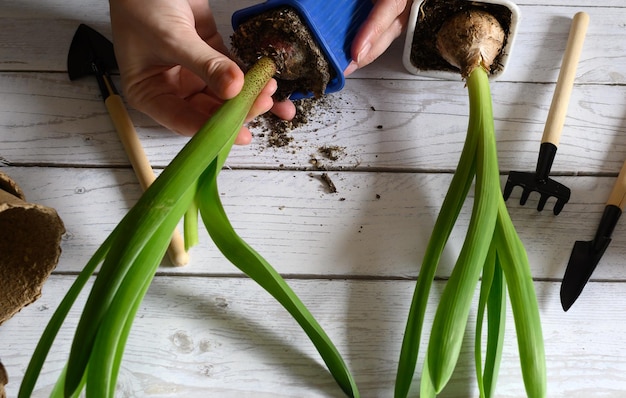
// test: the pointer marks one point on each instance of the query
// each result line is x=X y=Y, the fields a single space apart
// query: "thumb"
x=222 y=76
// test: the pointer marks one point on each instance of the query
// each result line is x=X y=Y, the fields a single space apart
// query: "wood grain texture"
x=376 y=225
x=379 y=124
x=201 y=336
x=352 y=256
x=537 y=53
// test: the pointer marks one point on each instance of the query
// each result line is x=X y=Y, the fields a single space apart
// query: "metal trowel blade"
x=582 y=262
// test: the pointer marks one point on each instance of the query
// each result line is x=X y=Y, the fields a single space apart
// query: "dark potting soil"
x=302 y=67
x=424 y=53
x=281 y=35
x=277 y=132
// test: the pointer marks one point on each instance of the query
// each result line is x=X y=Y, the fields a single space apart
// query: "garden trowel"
x=92 y=54
x=587 y=254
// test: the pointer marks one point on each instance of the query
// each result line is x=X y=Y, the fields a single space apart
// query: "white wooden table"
x=352 y=256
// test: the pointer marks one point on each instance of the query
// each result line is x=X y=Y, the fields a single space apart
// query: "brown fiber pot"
x=4 y=380
x=30 y=238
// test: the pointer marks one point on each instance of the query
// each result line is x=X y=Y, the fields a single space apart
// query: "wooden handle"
x=618 y=194
x=565 y=81
x=138 y=159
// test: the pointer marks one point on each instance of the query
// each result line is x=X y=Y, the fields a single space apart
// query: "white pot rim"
x=451 y=75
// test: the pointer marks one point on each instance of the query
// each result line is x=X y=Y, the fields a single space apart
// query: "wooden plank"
x=352 y=256
x=377 y=124
x=377 y=224
x=226 y=337
x=537 y=53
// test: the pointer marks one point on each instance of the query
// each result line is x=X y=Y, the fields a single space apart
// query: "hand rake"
x=539 y=181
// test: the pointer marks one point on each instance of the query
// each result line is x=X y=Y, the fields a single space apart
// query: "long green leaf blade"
x=145 y=218
x=493 y=300
x=455 y=303
x=190 y=226
x=52 y=328
x=496 y=320
x=256 y=267
x=110 y=341
x=485 y=289
x=514 y=261
x=427 y=390
x=448 y=214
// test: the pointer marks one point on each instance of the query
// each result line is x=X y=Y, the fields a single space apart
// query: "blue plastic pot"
x=333 y=25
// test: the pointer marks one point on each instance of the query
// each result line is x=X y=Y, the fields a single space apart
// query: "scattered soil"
x=277 y=132
x=433 y=13
x=281 y=35
x=332 y=152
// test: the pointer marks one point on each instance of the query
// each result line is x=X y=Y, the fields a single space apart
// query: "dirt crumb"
x=329 y=182
x=332 y=152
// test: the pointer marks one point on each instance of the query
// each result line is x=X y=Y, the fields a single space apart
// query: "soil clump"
x=281 y=35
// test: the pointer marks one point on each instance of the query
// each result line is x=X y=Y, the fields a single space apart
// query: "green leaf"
x=50 y=332
x=256 y=267
x=496 y=319
x=485 y=289
x=115 y=325
x=191 y=226
x=448 y=214
x=493 y=300
x=452 y=313
x=121 y=248
x=146 y=217
x=514 y=262
x=427 y=390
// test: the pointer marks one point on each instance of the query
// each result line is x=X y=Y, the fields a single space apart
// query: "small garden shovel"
x=587 y=254
x=539 y=181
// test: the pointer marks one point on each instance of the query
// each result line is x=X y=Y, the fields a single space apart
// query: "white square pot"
x=453 y=75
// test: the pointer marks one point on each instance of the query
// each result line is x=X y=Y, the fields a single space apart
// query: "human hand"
x=173 y=67
x=385 y=23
